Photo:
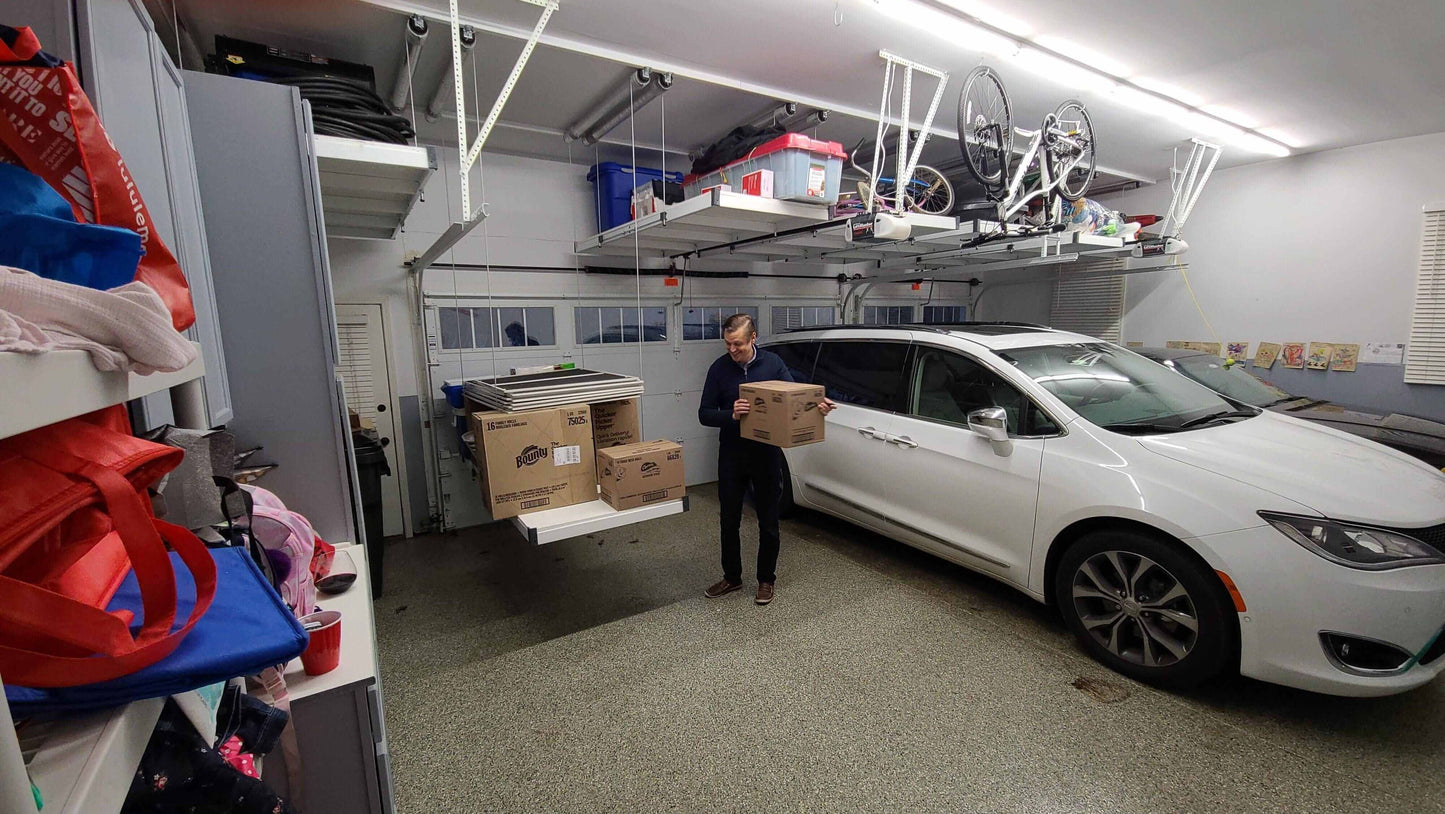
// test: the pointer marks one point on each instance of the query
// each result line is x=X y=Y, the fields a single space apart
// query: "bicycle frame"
x=1015 y=197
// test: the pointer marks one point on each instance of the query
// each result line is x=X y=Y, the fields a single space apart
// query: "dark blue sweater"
x=721 y=389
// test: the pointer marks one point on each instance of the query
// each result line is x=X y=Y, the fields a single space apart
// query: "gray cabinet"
x=140 y=97
x=268 y=262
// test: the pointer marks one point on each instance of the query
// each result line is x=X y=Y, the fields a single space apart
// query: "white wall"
x=1317 y=247
x=1321 y=247
x=537 y=210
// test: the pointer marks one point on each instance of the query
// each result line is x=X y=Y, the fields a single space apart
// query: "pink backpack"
x=289 y=543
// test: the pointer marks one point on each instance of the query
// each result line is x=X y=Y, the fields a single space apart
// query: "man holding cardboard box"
x=743 y=461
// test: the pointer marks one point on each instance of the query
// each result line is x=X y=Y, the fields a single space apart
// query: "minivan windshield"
x=1121 y=390
x=1231 y=380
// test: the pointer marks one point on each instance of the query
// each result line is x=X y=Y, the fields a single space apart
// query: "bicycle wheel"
x=985 y=127
x=929 y=192
x=1072 y=160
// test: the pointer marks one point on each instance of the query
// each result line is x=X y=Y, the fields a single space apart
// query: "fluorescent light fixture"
x=1253 y=143
x=1147 y=103
x=1281 y=136
x=1239 y=118
x=1073 y=50
x=1176 y=93
x=951 y=27
x=1210 y=127
x=985 y=14
x=1062 y=71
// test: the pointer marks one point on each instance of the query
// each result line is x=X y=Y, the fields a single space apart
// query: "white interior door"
x=362 y=365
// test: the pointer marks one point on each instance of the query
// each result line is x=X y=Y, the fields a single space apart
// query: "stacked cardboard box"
x=635 y=475
x=535 y=460
x=615 y=423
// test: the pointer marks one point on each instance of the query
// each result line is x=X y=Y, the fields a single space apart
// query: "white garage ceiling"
x=1317 y=75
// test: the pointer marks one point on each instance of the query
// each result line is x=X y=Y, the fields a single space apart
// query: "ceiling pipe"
x=468 y=37
x=618 y=99
x=775 y=113
x=416 y=27
x=659 y=85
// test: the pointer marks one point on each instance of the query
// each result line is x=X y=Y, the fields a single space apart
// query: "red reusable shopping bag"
x=48 y=126
x=74 y=521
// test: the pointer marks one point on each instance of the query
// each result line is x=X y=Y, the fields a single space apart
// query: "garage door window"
x=469 y=328
x=887 y=314
x=705 y=322
x=610 y=325
x=788 y=317
x=868 y=374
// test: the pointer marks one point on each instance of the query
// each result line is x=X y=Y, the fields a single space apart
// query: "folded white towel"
x=125 y=328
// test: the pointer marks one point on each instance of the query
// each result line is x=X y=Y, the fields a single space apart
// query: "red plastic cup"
x=323 y=651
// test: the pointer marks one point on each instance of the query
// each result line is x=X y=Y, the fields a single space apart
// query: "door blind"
x=1091 y=304
x=356 y=369
x=1425 y=355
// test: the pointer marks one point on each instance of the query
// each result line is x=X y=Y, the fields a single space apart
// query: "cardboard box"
x=535 y=460
x=758 y=183
x=615 y=423
x=784 y=414
x=640 y=474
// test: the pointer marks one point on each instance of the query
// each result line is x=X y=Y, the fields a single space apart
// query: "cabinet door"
x=117 y=70
x=190 y=227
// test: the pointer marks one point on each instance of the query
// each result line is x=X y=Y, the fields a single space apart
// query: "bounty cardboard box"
x=534 y=460
x=784 y=414
x=615 y=423
x=638 y=474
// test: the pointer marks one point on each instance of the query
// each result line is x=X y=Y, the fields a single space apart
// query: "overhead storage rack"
x=369 y=187
x=746 y=227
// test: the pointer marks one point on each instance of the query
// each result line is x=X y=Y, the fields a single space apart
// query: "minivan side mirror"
x=990 y=422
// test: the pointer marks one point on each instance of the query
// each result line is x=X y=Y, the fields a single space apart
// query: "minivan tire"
x=1146 y=637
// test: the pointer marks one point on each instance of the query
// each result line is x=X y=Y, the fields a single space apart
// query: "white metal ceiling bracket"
x=907 y=159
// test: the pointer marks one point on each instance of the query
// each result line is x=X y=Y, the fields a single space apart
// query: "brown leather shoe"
x=765 y=593
x=722 y=588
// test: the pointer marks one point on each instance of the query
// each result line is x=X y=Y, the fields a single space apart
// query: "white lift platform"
x=567 y=522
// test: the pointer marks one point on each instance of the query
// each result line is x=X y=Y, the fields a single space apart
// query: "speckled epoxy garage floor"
x=591 y=675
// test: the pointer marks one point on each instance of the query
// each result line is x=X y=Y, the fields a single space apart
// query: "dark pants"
x=740 y=464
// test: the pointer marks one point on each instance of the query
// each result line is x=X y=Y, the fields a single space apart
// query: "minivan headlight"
x=1356 y=546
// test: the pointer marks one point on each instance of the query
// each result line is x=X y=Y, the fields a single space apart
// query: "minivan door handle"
x=902 y=441
x=871 y=432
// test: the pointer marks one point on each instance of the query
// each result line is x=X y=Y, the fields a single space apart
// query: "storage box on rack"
x=783 y=414
x=615 y=423
x=640 y=474
x=804 y=169
x=651 y=197
x=612 y=186
x=540 y=459
x=759 y=183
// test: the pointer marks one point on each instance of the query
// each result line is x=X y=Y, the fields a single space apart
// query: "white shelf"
x=704 y=221
x=45 y=388
x=566 y=522
x=729 y=224
x=358 y=635
x=369 y=187
x=84 y=765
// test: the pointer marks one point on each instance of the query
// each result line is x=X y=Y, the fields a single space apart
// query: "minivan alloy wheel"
x=1135 y=608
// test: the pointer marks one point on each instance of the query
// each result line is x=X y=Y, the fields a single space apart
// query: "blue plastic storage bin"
x=612 y=186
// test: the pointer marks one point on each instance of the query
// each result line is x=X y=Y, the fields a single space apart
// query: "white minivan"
x=1179 y=533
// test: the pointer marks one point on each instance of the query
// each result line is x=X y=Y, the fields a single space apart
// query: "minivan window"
x=868 y=374
x=1121 y=390
x=799 y=357
x=948 y=386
